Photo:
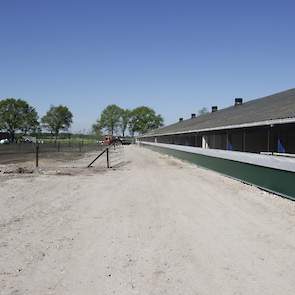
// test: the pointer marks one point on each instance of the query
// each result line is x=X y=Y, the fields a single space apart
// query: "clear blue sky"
x=175 y=56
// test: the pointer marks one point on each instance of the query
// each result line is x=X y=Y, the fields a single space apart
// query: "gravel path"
x=151 y=225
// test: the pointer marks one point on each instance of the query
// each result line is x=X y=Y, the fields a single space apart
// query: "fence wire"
x=24 y=152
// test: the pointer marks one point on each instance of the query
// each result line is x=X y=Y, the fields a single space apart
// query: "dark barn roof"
x=273 y=107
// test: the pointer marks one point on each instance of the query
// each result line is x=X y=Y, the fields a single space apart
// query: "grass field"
x=74 y=140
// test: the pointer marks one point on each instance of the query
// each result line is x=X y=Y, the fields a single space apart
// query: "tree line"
x=116 y=120
x=18 y=116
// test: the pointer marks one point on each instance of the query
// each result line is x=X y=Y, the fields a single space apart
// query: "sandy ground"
x=151 y=225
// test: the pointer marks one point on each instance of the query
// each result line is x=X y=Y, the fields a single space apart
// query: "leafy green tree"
x=57 y=118
x=96 y=129
x=144 y=119
x=30 y=120
x=124 y=121
x=17 y=115
x=110 y=118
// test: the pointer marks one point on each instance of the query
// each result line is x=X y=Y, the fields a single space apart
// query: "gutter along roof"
x=278 y=108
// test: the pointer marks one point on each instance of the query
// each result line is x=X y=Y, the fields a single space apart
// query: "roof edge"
x=244 y=125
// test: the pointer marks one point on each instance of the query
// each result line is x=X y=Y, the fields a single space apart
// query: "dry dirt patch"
x=144 y=227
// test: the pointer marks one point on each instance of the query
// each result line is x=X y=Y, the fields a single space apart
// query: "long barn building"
x=249 y=133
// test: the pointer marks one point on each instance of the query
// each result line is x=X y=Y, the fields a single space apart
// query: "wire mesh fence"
x=60 y=159
x=24 y=152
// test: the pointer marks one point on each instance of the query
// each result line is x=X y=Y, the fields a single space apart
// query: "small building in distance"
x=4 y=135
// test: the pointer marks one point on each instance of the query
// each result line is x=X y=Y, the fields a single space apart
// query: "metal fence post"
x=37 y=155
x=108 y=159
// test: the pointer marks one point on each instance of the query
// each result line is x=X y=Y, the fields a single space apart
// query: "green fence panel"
x=275 y=180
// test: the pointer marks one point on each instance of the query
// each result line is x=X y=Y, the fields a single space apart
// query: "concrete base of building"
x=278 y=181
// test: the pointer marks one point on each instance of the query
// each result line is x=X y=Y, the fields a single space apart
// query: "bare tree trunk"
x=11 y=135
x=55 y=136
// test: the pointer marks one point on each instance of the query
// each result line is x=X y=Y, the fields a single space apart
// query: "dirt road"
x=152 y=225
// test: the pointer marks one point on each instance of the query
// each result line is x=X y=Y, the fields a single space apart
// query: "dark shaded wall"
x=278 y=138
